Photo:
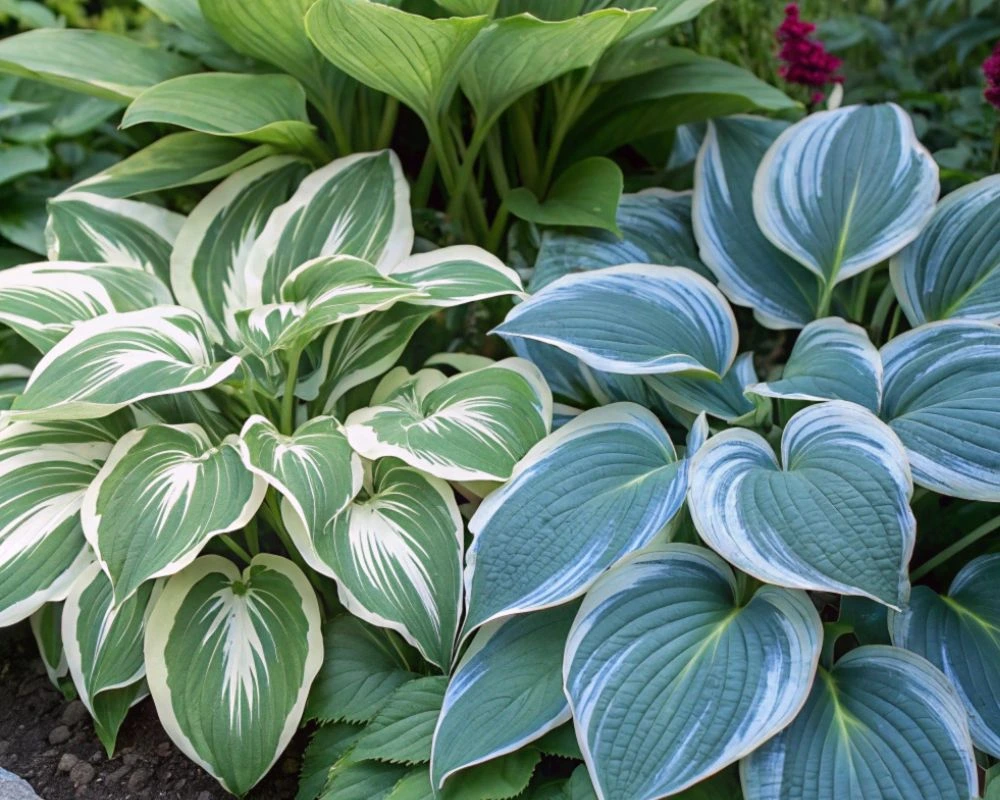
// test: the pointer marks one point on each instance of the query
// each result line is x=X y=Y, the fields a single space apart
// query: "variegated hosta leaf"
x=396 y=554
x=89 y=227
x=724 y=398
x=116 y=359
x=751 y=271
x=600 y=487
x=208 y=263
x=230 y=657
x=942 y=398
x=634 y=319
x=832 y=360
x=163 y=492
x=455 y=275
x=474 y=426
x=43 y=302
x=13 y=379
x=177 y=409
x=953 y=267
x=263 y=331
x=883 y=724
x=670 y=677
x=959 y=633
x=521 y=658
x=355 y=206
x=836 y=204
x=834 y=515
x=46 y=627
x=104 y=648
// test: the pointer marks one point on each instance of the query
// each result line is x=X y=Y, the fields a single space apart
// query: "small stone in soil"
x=163 y=749
x=74 y=713
x=82 y=773
x=4 y=746
x=67 y=762
x=131 y=759
x=204 y=796
x=117 y=775
x=139 y=779
x=59 y=735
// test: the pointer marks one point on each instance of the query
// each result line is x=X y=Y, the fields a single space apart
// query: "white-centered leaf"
x=838 y=205
x=230 y=657
x=474 y=426
x=634 y=318
x=834 y=515
x=163 y=492
x=882 y=724
x=456 y=275
x=671 y=678
x=116 y=359
x=600 y=487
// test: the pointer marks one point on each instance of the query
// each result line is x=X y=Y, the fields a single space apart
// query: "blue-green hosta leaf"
x=633 y=319
x=832 y=360
x=520 y=658
x=953 y=267
x=46 y=627
x=474 y=426
x=396 y=555
x=355 y=206
x=724 y=398
x=89 y=227
x=402 y=730
x=670 y=678
x=230 y=657
x=163 y=492
x=751 y=271
x=44 y=301
x=452 y=276
x=834 y=515
x=852 y=205
x=104 y=647
x=942 y=398
x=882 y=724
x=116 y=359
x=959 y=633
x=207 y=266
x=600 y=487
x=564 y=373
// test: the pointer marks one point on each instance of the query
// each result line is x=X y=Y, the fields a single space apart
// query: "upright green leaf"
x=401 y=731
x=585 y=195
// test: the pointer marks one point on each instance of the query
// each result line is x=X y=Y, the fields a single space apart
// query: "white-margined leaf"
x=831 y=360
x=116 y=359
x=163 y=492
x=838 y=205
x=178 y=409
x=751 y=271
x=402 y=730
x=46 y=627
x=723 y=398
x=600 y=487
x=455 y=275
x=942 y=398
x=521 y=658
x=207 y=267
x=833 y=515
x=263 y=331
x=90 y=227
x=230 y=657
x=670 y=677
x=953 y=267
x=104 y=648
x=44 y=301
x=474 y=426
x=634 y=319
x=358 y=206
x=882 y=724
x=13 y=379
x=959 y=633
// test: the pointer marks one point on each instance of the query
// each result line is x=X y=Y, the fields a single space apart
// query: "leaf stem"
x=229 y=542
x=523 y=143
x=464 y=178
x=969 y=539
x=388 y=124
x=569 y=112
x=287 y=421
x=251 y=536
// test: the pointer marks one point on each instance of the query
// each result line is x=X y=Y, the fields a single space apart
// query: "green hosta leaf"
x=953 y=268
x=834 y=515
x=266 y=109
x=163 y=492
x=832 y=360
x=751 y=271
x=368 y=780
x=600 y=487
x=469 y=8
x=44 y=301
x=401 y=731
x=456 y=275
x=89 y=227
x=633 y=319
x=355 y=206
x=230 y=657
x=724 y=398
x=960 y=634
x=670 y=678
x=667 y=14
x=326 y=746
x=942 y=398
x=499 y=779
x=116 y=359
x=515 y=658
x=415 y=785
x=474 y=426
x=857 y=204
x=46 y=627
x=867 y=731
x=20 y=160
x=186 y=15
x=104 y=648
x=102 y=64
x=585 y=195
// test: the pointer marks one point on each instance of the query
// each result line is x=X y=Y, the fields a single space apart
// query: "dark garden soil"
x=51 y=743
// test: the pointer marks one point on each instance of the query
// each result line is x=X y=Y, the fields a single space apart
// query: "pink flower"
x=805 y=60
x=991 y=70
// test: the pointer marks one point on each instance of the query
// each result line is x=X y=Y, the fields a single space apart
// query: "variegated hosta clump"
x=189 y=482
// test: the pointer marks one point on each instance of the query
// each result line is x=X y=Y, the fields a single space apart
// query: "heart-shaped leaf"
x=585 y=195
